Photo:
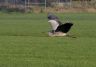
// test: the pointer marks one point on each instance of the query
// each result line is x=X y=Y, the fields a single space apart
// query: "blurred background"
x=38 y=6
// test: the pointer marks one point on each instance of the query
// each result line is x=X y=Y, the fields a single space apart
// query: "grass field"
x=24 y=41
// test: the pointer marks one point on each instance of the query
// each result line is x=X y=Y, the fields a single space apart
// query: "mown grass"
x=24 y=41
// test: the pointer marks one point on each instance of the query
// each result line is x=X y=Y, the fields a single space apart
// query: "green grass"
x=24 y=41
